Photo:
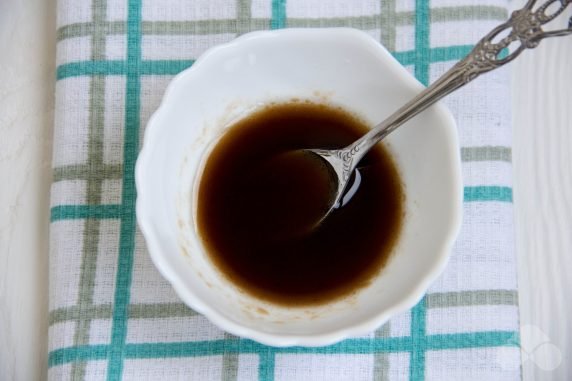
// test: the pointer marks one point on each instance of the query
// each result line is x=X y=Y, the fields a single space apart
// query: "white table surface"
x=542 y=155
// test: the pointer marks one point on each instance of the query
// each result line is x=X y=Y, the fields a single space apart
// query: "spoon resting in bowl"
x=522 y=29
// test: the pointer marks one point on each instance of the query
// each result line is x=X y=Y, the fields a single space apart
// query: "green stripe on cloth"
x=86 y=29
x=468 y=12
x=75 y=312
x=90 y=241
x=349 y=346
x=136 y=311
x=486 y=153
x=488 y=193
x=204 y=27
x=472 y=298
x=388 y=20
x=160 y=310
x=244 y=23
x=167 y=310
x=127 y=229
x=360 y=22
x=87 y=171
x=230 y=361
x=381 y=361
x=199 y=27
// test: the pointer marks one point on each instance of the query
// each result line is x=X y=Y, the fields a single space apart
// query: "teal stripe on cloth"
x=417 y=359
x=70 y=212
x=164 y=67
x=422 y=47
x=488 y=193
x=449 y=53
x=76 y=69
x=127 y=229
x=278 y=20
x=150 y=67
x=266 y=365
x=422 y=62
x=77 y=353
x=349 y=346
x=405 y=58
x=172 y=67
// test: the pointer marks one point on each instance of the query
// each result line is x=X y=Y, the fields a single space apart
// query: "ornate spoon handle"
x=524 y=28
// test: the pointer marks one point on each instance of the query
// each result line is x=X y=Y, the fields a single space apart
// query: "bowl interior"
x=336 y=66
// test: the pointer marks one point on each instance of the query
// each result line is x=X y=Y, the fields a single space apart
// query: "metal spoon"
x=524 y=29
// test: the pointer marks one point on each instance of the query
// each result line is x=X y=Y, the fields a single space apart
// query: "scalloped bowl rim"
x=276 y=339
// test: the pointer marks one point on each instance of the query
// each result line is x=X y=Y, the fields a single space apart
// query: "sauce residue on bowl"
x=252 y=196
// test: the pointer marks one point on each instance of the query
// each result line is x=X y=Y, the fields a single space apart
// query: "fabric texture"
x=112 y=316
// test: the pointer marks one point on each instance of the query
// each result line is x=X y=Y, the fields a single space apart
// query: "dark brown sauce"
x=253 y=195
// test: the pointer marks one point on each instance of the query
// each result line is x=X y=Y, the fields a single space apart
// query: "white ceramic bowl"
x=338 y=66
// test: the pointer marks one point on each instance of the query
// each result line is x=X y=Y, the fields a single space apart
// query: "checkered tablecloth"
x=112 y=316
